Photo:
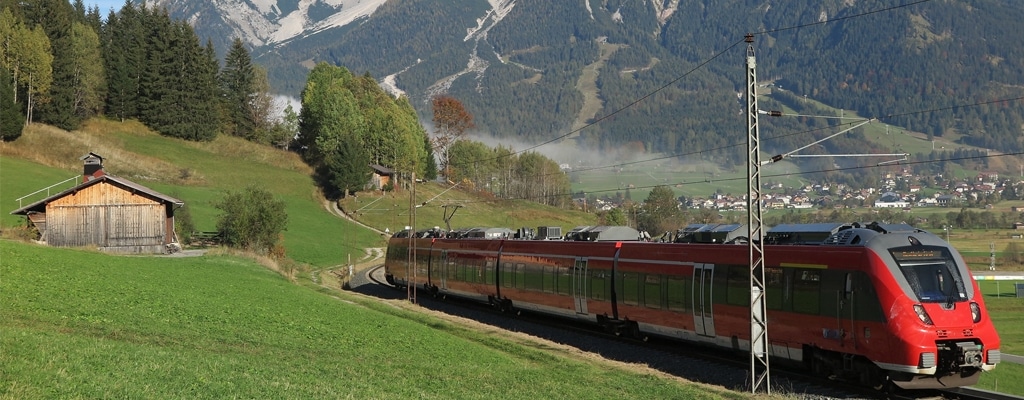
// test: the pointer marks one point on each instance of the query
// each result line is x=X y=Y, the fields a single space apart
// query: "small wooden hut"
x=111 y=213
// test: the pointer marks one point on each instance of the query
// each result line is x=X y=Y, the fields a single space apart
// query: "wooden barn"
x=111 y=213
x=382 y=176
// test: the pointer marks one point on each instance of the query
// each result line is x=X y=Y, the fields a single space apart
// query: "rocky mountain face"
x=533 y=70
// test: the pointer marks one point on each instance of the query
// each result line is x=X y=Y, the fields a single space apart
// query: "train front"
x=943 y=336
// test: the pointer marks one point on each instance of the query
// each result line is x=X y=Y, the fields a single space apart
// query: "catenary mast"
x=755 y=236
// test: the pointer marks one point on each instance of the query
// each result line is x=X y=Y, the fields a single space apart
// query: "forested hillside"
x=925 y=67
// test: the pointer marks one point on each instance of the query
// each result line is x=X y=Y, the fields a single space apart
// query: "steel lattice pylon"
x=759 y=376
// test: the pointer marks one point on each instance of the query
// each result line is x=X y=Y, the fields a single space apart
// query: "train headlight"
x=922 y=314
x=975 y=312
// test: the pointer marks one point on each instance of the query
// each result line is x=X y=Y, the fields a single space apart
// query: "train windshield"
x=932 y=273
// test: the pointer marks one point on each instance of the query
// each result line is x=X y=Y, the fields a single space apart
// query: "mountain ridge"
x=516 y=64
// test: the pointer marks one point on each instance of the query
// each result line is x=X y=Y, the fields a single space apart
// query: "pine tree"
x=88 y=79
x=347 y=169
x=237 y=82
x=429 y=164
x=55 y=16
x=124 y=52
x=12 y=122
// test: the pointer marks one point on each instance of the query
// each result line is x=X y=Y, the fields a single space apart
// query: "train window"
x=477 y=271
x=866 y=304
x=739 y=286
x=652 y=291
x=520 y=276
x=630 y=287
x=534 y=277
x=833 y=284
x=507 y=275
x=677 y=293
x=452 y=270
x=549 y=279
x=489 y=273
x=422 y=262
x=564 y=280
x=599 y=285
x=774 y=289
x=806 y=288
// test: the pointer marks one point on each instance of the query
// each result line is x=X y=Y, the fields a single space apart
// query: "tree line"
x=63 y=64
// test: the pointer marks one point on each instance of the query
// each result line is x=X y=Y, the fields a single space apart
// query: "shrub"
x=252 y=220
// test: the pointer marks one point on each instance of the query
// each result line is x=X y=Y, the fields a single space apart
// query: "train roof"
x=711 y=233
x=603 y=233
x=834 y=233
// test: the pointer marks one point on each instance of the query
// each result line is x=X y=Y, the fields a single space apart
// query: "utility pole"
x=759 y=377
x=411 y=283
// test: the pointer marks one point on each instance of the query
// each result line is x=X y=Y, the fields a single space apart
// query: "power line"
x=857 y=120
x=863 y=14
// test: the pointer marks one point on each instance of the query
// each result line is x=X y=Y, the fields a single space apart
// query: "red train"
x=871 y=303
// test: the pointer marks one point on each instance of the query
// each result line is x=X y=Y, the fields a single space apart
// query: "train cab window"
x=629 y=288
x=932 y=274
x=774 y=289
x=549 y=279
x=507 y=275
x=806 y=291
x=652 y=291
x=677 y=293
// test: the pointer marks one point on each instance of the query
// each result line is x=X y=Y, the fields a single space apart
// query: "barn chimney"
x=93 y=167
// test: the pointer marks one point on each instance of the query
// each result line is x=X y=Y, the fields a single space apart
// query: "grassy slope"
x=200 y=174
x=391 y=210
x=83 y=324
x=197 y=173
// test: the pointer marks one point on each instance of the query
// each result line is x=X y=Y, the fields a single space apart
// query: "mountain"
x=268 y=22
x=534 y=70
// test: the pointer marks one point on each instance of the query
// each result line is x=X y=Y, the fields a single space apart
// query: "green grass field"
x=392 y=210
x=314 y=236
x=80 y=324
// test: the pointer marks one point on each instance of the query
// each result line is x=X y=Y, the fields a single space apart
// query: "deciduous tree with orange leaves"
x=451 y=121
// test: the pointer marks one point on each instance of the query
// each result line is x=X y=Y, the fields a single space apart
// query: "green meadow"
x=197 y=173
x=80 y=324
x=1007 y=313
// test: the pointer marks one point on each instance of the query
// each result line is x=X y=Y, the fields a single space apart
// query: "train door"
x=443 y=269
x=579 y=285
x=844 y=311
x=703 y=318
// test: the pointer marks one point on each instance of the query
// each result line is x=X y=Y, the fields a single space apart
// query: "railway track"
x=692 y=362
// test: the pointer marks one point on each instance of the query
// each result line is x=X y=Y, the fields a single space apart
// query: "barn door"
x=703 y=318
x=579 y=285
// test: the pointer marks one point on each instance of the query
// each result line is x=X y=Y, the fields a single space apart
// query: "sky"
x=105 y=5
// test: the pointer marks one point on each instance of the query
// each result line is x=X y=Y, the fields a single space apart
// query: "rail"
x=46 y=189
x=980 y=394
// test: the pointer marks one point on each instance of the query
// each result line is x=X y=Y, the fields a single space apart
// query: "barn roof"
x=40 y=206
x=382 y=170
